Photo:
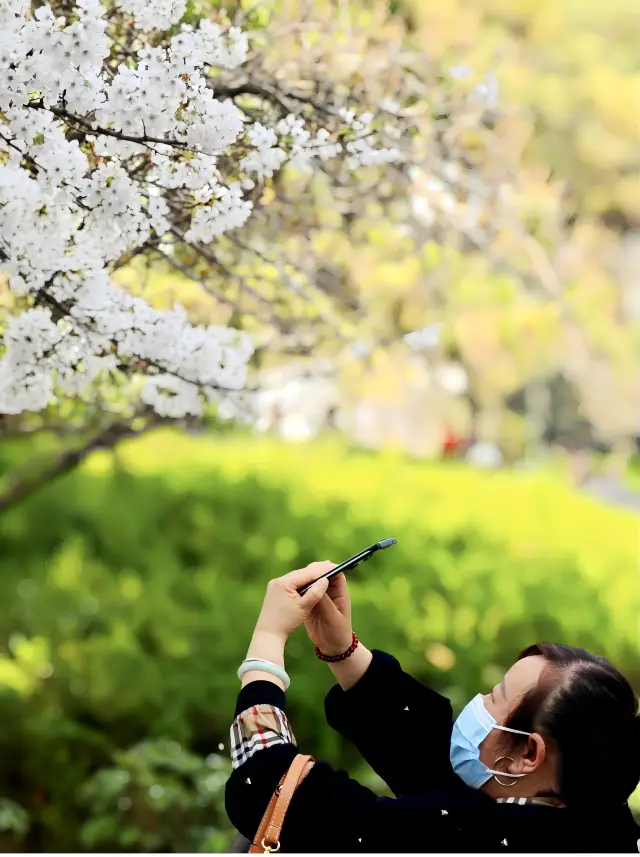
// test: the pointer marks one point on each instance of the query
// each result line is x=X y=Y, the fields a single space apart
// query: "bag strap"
x=267 y=839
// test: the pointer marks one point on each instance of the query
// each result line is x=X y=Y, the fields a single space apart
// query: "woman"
x=545 y=762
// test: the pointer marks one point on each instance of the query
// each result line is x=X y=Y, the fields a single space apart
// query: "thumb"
x=315 y=593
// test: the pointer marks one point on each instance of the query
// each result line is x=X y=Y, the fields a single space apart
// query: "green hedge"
x=129 y=590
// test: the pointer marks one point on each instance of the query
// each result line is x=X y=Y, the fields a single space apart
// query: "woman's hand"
x=329 y=622
x=283 y=609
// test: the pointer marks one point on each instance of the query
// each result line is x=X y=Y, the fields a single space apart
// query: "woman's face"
x=504 y=698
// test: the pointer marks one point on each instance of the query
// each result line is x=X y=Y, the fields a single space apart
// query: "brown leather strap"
x=267 y=838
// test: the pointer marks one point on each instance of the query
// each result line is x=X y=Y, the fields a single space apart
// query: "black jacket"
x=403 y=731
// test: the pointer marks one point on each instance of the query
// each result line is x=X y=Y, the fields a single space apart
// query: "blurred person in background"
x=544 y=762
x=453 y=444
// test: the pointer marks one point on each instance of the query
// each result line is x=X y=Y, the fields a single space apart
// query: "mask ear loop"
x=499 y=781
x=516 y=777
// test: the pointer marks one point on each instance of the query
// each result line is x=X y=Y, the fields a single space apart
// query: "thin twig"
x=282 y=324
x=295 y=288
x=108 y=132
x=271 y=92
x=184 y=270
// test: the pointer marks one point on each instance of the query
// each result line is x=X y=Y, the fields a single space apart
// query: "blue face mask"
x=469 y=731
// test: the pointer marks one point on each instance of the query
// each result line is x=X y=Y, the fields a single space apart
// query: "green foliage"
x=14 y=825
x=156 y=797
x=129 y=591
x=13 y=818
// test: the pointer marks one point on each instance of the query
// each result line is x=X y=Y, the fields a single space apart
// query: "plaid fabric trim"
x=544 y=801
x=256 y=729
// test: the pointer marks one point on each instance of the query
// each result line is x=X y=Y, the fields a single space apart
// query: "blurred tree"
x=485 y=232
x=556 y=60
x=547 y=290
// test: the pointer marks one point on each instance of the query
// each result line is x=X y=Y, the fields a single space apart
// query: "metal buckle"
x=268 y=849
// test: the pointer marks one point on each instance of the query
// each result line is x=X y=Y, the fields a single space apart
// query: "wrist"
x=263 y=635
x=267 y=645
x=342 y=653
x=334 y=649
x=349 y=672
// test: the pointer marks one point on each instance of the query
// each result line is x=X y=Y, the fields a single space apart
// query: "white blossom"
x=425 y=338
x=268 y=156
x=461 y=72
x=228 y=211
x=488 y=91
x=390 y=105
x=171 y=397
x=209 y=45
x=109 y=142
x=361 y=148
x=159 y=15
x=303 y=146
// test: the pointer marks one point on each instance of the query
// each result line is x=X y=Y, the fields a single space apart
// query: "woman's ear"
x=531 y=756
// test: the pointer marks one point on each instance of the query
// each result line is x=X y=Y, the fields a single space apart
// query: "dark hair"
x=588 y=710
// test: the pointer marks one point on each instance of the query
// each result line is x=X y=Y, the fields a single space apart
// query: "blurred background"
x=447 y=355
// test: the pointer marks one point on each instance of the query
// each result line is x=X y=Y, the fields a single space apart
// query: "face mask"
x=469 y=731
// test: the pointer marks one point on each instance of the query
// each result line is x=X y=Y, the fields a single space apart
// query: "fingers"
x=326 y=609
x=302 y=576
x=315 y=593
x=338 y=586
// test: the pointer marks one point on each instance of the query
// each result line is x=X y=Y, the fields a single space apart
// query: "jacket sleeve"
x=328 y=813
x=401 y=728
x=262 y=748
x=331 y=813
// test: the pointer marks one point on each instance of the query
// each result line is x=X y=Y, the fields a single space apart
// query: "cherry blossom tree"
x=119 y=138
x=143 y=131
x=109 y=147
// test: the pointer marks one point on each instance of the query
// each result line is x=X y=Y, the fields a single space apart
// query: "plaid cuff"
x=258 y=728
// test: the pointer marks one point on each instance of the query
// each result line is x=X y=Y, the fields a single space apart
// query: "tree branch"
x=320 y=280
x=283 y=325
x=208 y=289
x=23 y=485
x=60 y=429
x=271 y=92
x=109 y=132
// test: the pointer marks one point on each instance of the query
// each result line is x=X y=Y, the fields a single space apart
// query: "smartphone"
x=352 y=562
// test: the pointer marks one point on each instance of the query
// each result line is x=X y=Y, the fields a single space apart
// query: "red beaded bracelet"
x=333 y=659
